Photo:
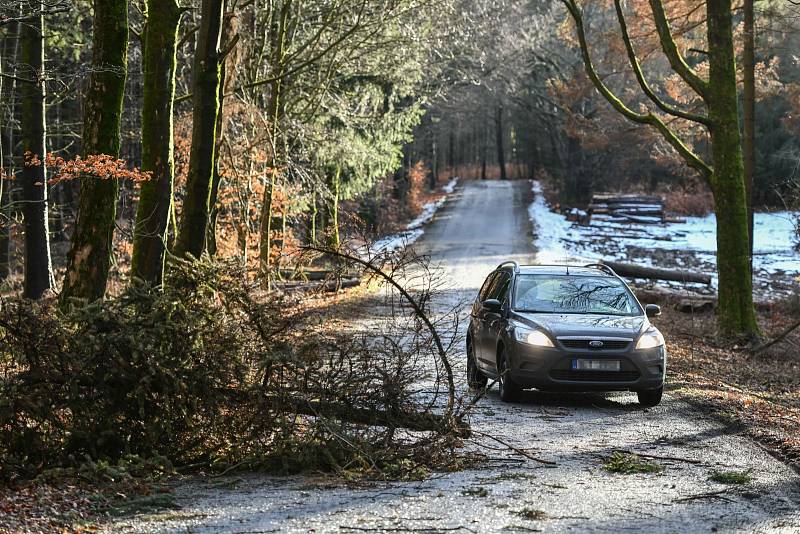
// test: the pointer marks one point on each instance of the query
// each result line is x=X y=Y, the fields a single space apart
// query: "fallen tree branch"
x=777 y=339
x=422 y=422
x=418 y=312
x=512 y=448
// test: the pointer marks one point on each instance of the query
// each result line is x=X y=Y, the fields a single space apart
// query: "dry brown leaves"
x=762 y=393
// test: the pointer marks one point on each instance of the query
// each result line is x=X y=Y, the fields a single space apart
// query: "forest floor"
x=612 y=466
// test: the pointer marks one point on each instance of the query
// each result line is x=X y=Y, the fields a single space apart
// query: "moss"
x=155 y=202
x=629 y=464
x=731 y=477
x=736 y=314
x=89 y=258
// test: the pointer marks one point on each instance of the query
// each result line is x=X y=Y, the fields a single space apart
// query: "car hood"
x=585 y=325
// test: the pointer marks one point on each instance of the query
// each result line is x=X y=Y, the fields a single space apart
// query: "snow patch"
x=558 y=240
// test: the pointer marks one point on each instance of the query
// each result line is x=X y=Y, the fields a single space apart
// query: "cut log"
x=638 y=212
x=612 y=197
x=637 y=219
x=637 y=271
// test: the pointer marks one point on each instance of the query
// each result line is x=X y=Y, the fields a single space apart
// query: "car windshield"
x=538 y=293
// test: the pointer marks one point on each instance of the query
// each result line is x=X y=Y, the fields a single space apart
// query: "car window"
x=574 y=294
x=499 y=289
x=482 y=295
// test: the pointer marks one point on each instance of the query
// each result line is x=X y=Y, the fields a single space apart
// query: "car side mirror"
x=652 y=310
x=492 y=305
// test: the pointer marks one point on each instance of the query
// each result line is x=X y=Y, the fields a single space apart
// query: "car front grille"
x=583 y=344
x=594 y=376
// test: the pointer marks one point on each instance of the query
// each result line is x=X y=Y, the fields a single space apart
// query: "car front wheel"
x=651 y=397
x=475 y=378
x=509 y=390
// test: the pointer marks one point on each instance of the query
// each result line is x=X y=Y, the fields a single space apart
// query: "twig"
x=777 y=339
x=656 y=457
x=709 y=495
x=519 y=451
x=405 y=529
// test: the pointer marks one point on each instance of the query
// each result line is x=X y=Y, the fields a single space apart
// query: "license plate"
x=595 y=365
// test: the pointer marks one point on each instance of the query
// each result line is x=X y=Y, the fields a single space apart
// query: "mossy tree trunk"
x=749 y=112
x=725 y=175
x=735 y=311
x=207 y=73
x=155 y=201
x=226 y=85
x=38 y=265
x=89 y=258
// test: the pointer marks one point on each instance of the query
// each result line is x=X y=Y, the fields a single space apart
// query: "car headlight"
x=650 y=340
x=532 y=337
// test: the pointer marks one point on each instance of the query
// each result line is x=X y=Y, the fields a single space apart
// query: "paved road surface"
x=483 y=224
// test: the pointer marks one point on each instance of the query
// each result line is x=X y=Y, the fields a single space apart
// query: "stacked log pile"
x=640 y=209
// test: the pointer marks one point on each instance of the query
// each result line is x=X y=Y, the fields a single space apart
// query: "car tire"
x=650 y=397
x=509 y=390
x=475 y=378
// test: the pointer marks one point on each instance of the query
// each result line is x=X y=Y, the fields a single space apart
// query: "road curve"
x=482 y=224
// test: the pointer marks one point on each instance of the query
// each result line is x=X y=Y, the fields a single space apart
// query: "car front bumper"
x=550 y=369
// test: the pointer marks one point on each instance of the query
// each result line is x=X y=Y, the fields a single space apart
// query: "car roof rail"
x=601 y=266
x=511 y=263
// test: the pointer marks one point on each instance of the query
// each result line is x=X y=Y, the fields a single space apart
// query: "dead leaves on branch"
x=99 y=166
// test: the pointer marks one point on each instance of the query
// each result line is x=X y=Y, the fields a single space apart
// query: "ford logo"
x=596 y=344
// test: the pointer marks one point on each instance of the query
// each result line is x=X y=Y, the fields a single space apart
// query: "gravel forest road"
x=482 y=224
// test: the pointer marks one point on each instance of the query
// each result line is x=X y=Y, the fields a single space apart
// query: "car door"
x=477 y=325
x=490 y=320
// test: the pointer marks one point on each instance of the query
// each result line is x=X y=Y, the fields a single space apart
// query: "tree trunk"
x=7 y=90
x=89 y=258
x=38 y=266
x=275 y=116
x=155 y=200
x=501 y=153
x=749 y=112
x=735 y=313
x=227 y=77
x=484 y=149
x=333 y=219
x=207 y=69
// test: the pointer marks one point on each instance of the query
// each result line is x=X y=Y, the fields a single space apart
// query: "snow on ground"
x=413 y=229
x=691 y=245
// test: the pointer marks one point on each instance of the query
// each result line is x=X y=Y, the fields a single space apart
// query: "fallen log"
x=417 y=421
x=637 y=271
x=302 y=275
x=328 y=286
x=686 y=301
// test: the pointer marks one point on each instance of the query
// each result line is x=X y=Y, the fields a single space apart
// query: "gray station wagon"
x=562 y=328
